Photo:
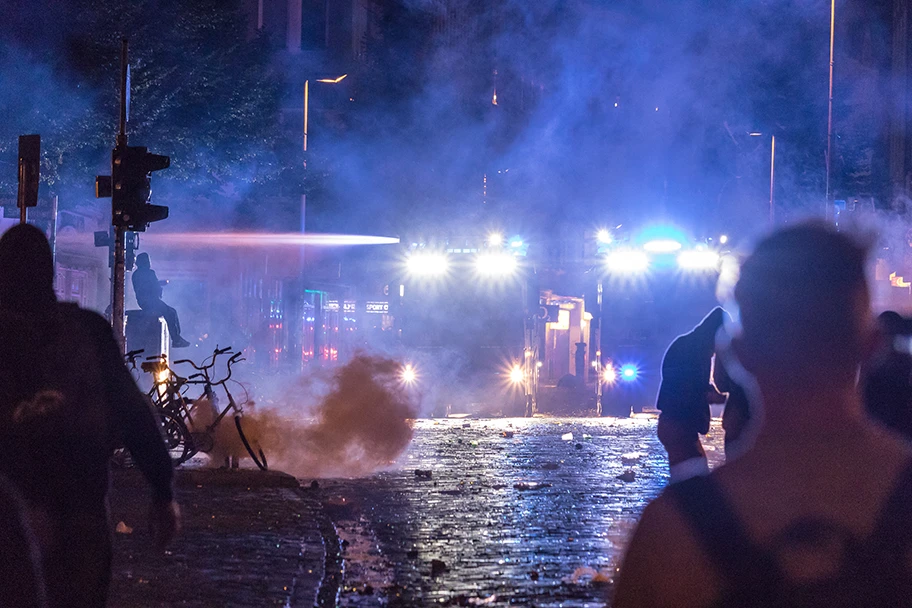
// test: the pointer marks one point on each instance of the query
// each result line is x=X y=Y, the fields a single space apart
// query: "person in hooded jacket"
x=685 y=395
x=148 y=291
x=66 y=402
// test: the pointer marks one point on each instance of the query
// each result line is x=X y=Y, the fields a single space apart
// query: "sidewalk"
x=249 y=539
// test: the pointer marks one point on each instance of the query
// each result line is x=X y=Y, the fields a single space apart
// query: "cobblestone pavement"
x=249 y=539
x=500 y=512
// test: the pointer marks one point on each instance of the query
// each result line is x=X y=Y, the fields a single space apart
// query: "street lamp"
x=336 y=80
x=829 y=151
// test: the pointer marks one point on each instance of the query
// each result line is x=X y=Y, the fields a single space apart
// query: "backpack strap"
x=746 y=570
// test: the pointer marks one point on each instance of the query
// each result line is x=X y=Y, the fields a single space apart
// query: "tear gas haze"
x=362 y=423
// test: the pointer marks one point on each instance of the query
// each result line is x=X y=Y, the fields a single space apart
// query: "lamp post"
x=598 y=352
x=336 y=80
x=829 y=150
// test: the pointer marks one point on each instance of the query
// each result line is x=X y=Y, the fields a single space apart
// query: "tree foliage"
x=203 y=91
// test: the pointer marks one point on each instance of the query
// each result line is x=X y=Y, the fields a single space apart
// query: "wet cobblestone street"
x=499 y=512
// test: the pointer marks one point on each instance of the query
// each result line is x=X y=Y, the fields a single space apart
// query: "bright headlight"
x=662 y=246
x=627 y=262
x=495 y=264
x=698 y=260
x=516 y=374
x=427 y=264
x=408 y=374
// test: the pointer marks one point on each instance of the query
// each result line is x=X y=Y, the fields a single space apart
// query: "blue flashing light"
x=629 y=372
x=663 y=234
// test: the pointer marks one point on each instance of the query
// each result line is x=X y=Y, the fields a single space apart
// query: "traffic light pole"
x=118 y=270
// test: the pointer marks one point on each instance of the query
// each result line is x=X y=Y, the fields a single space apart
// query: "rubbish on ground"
x=630 y=457
x=123 y=528
x=627 y=476
x=425 y=473
x=508 y=434
x=591 y=575
x=532 y=485
x=438 y=567
x=579 y=446
x=567 y=436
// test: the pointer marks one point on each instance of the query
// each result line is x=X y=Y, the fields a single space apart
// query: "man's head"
x=804 y=307
x=26 y=270
x=142 y=261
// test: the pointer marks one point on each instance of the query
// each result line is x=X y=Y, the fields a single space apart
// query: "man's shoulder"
x=664 y=541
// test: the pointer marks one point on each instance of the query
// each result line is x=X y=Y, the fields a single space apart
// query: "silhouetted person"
x=685 y=395
x=66 y=401
x=148 y=292
x=887 y=379
x=818 y=512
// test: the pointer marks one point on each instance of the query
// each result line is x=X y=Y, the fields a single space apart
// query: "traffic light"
x=130 y=187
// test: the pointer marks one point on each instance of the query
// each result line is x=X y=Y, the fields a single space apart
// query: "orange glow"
x=333 y=80
x=896 y=281
x=494 y=99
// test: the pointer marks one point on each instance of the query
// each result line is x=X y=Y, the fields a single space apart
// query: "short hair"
x=798 y=294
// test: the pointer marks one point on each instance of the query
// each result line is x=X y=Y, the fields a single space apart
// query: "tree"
x=203 y=91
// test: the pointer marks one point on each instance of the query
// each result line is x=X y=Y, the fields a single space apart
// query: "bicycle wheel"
x=177 y=437
x=257 y=455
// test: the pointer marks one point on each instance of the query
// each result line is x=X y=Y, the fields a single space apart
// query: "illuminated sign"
x=377 y=308
x=563 y=320
x=348 y=306
x=896 y=281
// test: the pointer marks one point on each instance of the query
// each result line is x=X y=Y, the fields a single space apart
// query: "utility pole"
x=772 y=208
x=598 y=352
x=129 y=188
x=829 y=150
x=119 y=270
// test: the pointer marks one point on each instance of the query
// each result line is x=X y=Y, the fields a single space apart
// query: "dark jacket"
x=686 y=368
x=146 y=287
x=66 y=402
x=685 y=382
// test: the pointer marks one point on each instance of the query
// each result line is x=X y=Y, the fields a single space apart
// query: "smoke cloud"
x=362 y=422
